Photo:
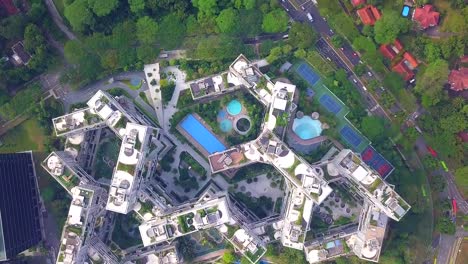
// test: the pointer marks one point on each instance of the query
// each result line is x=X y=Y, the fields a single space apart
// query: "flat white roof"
x=280 y=104
x=360 y=173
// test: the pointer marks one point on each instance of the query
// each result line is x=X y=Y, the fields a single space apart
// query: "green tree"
x=249 y=4
x=455 y=22
x=360 y=69
x=171 y=31
x=373 y=127
x=302 y=36
x=79 y=14
x=136 y=6
x=37 y=12
x=275 y=21
x=103 y=7
x=364 y=44
x=394 y=82
x=229 y=257
x=146 y=30
x=227 y=20
x=432 y=52
x=12 y=27
x=33 y=38
x=206 y=7
x=337 y=40
x=389 y=27
x=430 y=82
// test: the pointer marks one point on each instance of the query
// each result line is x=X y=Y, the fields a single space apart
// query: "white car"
x=369 y=73
x=354 y=80
x=309 y=16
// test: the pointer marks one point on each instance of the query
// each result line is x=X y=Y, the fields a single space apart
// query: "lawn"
x=27 y=136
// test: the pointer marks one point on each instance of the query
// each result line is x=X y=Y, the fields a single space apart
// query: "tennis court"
x=353 y=138
x=308 y=74
x=330 y=104
x=376 y=161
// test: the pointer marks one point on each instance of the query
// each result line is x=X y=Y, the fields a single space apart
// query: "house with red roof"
x=410 y=60
x=403 y=69
x=8 y=7
x=463 y=136
x=426 y=16
x=369 y=15
x=458 y=79
x=390 y=51
x=358 y=2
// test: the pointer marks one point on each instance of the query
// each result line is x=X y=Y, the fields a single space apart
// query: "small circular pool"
x=234 y=107
x=243 y=124
x=307 y=128
x=225 y=125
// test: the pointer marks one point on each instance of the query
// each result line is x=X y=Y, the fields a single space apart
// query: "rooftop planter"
x=127 y=168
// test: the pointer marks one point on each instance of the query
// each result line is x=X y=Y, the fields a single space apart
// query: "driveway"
x=58 y=19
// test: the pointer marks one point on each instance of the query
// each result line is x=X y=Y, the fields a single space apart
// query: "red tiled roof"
x=463 y=136
x=458 y=79
x=8 y=6
x=398 y=44
x=390 y=51
x=403 y=70
x=369 y=15
x=464 y=59
x=411 y=59
x=426 y=16
x=387 y=51
x=358 y=2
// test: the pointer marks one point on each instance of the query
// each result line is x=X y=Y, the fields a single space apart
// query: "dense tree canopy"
x=390 y=26
x=228 y=20
x=373 y=127
x=302 y=36
x=103 y=7
x=79 y=14
x=431 y=81
x=146 y=30
x=136 y=6
x=275 y=21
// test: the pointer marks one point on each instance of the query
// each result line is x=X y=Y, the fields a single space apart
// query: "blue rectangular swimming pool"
x=201 y=134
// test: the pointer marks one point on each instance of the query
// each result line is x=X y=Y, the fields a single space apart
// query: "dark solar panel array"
x=19 y=203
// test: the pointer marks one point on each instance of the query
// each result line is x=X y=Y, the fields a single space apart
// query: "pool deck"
x=195 y=143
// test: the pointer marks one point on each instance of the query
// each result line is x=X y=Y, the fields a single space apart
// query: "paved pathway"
x=58 y=19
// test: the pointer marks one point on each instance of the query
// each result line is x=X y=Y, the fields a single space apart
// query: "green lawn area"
x=109 y=151
x=27 y=136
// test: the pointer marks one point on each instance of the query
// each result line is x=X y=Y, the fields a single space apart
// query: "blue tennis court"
x=307 y=73
x=353 y=138
x=330 y=104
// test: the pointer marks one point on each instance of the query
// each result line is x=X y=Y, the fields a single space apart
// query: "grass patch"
x=27 y=136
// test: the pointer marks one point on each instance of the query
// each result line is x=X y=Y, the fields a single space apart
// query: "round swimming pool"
x=307 y=128
x=225 y=125
x=234 y=107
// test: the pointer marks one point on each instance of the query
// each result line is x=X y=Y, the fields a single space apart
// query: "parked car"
x=309 y=16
